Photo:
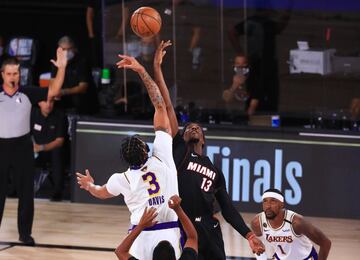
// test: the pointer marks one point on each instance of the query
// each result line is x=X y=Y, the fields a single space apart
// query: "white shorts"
x=144 y=244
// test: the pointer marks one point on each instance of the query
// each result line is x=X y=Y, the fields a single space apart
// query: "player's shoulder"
x=120 y=175
x=293 y=216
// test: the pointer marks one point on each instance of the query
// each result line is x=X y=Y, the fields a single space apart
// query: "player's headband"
x=271 y=194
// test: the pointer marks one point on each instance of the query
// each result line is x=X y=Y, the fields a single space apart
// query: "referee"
x=16 y=148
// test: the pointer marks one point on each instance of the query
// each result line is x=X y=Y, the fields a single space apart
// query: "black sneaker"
x=27 y=240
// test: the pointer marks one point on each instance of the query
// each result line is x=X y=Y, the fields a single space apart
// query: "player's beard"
x=270 y=216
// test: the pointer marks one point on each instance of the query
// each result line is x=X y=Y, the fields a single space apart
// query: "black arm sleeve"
x=230 y=214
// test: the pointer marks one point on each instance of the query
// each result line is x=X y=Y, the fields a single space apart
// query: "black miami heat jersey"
x=198 y=179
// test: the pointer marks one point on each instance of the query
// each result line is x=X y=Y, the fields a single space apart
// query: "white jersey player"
x=149 y=181
x=285 y=234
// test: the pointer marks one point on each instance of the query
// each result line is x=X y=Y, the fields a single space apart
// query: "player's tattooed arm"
x=128 y=62
x=153 y=90
x=161 y=119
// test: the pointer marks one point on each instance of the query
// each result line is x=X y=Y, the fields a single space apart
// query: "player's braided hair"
x=134 y=151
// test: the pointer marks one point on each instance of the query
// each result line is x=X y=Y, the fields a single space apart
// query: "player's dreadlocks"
x=134 y=151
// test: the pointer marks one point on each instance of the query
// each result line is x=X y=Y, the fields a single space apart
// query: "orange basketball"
x=145 y=22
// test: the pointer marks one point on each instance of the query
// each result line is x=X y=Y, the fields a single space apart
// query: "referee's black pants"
x=17 y=158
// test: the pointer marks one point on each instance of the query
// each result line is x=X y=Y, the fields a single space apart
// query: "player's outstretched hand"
x=84 y=180
x=61 y=59
x=128 y=62
x=147 y=219
x=256 y=245
x=160 y=52
x=174 y=202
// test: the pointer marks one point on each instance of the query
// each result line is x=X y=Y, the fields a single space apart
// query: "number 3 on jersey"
x=154 y=185
x=206 y=184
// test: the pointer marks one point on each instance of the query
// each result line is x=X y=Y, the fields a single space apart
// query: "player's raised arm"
x=161 y=119
x=159 y=79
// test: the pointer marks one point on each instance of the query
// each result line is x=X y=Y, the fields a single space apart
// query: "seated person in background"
x=286 y=234
x=245 y=92
x=76 y=83
x=48 y=131
x=164 y=249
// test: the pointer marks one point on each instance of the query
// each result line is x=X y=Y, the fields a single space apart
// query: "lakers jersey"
x=151 y=185
x=283 y=242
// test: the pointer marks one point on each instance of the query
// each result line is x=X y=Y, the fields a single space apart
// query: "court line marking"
x=228 y=138
x=6 y=247
x=87 y=248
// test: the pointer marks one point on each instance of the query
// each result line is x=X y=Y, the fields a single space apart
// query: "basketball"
x=145 y=22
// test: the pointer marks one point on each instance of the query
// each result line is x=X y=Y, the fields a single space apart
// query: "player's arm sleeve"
x=116 y=184
x=162 y=148
x=229 y=212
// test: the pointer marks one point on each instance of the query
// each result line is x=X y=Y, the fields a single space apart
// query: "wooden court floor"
x=65 y=230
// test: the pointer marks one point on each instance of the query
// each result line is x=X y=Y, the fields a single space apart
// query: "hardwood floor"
x=67 y=230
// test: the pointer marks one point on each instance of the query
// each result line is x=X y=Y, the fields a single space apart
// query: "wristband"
x=42 y=148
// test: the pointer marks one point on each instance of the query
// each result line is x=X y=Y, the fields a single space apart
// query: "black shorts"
x=211 y=243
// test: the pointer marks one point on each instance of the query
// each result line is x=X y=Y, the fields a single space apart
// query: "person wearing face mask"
x=244 y=93
x=75 y=90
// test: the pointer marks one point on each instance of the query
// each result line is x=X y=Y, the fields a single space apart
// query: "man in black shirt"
x=16 y=148
x=200 y=182
x=76 y=91
x=48 y=131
